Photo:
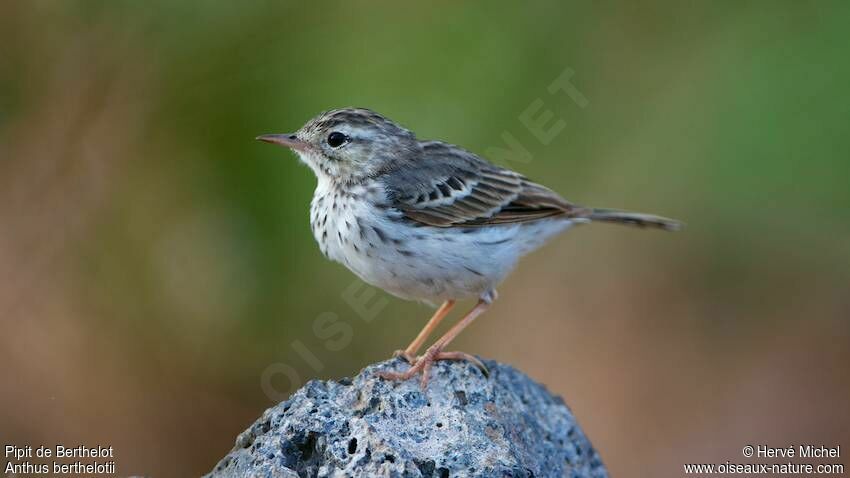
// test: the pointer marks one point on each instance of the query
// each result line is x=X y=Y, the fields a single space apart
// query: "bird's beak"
x=289 y=140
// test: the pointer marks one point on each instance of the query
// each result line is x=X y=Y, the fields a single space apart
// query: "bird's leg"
x=435 y=352
x=409 y=353
x=464 y=356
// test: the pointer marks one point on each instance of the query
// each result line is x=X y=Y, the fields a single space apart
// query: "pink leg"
x=435 y=352
x=409 y=353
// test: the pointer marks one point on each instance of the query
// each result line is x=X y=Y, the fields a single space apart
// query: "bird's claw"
x=465 y=356
x=401 y=353
x=424 y=363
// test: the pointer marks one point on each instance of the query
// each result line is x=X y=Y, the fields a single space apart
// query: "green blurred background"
x=157 y=263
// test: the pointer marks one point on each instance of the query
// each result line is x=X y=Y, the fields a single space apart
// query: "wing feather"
x=450 y=187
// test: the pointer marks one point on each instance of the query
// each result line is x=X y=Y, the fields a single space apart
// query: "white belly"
x=423 y=263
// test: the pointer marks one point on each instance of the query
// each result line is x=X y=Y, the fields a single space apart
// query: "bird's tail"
x=634 y=219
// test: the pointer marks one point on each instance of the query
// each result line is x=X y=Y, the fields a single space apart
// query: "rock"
x=465 y=424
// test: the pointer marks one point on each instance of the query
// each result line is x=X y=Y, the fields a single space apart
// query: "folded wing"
x=450 y=187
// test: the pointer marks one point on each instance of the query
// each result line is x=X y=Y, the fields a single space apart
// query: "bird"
x=426 y=220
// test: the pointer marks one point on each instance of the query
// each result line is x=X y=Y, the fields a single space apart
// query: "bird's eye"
x=337 y=139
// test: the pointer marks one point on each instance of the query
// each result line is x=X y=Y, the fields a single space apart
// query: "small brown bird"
x=427 y=220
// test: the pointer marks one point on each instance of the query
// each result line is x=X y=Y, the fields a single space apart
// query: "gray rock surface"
x=465 y=424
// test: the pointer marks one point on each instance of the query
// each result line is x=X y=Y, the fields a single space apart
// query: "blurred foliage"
x=158 y=259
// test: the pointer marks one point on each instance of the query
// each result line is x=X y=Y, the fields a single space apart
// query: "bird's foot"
x=424 y=363
x=407 y=357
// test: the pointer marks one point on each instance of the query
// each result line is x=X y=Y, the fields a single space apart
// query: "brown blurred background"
x=157 y=264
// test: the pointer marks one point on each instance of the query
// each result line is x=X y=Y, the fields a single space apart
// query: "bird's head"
x=347 y=145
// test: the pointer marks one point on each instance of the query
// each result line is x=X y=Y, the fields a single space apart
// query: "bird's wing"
x=447 y=186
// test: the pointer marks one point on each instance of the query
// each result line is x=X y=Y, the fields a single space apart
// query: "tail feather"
x=634 y=219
